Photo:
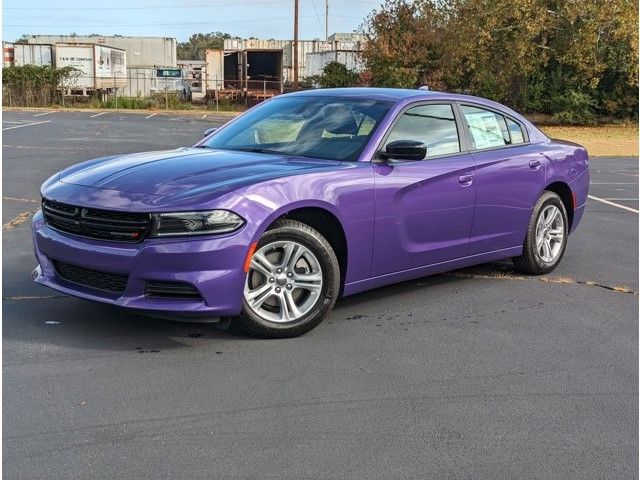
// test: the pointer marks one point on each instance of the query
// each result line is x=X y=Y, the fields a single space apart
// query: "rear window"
x=487 y=129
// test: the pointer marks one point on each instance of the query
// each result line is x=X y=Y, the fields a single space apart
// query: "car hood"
x=187 y=172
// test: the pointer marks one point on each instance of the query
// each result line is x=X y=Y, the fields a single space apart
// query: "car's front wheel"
x=546 y=237
x=292 y=283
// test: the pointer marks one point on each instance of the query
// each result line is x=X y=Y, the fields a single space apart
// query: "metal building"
x=316 y=61
x=141 y=51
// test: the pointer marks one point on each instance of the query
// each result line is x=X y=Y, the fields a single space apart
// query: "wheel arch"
x=323 y=219
x=563 y=190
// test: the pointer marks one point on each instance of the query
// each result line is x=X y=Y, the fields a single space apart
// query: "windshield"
x=332 y=128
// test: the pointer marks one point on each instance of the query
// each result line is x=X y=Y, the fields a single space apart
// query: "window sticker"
x=485 y=129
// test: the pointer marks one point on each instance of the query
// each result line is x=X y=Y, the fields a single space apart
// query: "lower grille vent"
x=171 y=290
x=110 y=282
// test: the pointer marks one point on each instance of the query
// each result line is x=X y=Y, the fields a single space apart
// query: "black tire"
x=286 y=229
x=530 y=261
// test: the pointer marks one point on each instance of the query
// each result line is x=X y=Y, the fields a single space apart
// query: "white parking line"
x=27 y=125
x=622 y=199
x=602 y=200
x=152 y=115
x=43 y=114
x=97 y=114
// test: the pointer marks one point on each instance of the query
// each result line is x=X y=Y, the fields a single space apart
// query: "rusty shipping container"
x=7 y=54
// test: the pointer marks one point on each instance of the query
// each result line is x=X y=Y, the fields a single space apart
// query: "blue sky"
x=180 y=18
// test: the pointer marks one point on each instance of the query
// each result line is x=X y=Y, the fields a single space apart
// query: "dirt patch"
x=20 y=219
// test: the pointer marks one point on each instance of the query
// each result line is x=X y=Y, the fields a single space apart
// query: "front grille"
x=110 y=282
x=171 y=290
x=95 y=223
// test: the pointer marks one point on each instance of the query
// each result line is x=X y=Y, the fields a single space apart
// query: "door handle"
x=535 y=163
x=465 y=180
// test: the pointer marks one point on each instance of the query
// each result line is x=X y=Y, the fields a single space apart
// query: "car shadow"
x=381 y=294
x=71 y=323
x=78 y=324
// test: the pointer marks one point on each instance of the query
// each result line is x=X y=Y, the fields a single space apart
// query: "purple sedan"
x=309 y=197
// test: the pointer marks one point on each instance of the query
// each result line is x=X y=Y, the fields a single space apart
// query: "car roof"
x=396 y=95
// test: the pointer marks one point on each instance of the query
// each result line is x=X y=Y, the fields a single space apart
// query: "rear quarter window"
x=515 y=131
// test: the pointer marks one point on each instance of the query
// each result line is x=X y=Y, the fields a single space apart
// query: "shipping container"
x=318 y=60
x=99 y=67
x=26 y=54
x=286 y=46
x=7 y=51
x=141 y=51
x=252 y=72
x=214 y=68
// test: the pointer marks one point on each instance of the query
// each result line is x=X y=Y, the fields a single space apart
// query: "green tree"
x=573 y=59
x=34 y=85
x=404 y=43
x=193 y=49
x=335 y=75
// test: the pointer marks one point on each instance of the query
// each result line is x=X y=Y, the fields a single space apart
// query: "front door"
x=424 y=209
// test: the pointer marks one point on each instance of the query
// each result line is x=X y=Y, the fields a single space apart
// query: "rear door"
x=510 y=173
x=424 y=209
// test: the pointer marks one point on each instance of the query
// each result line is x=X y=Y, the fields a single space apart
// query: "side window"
x=434 y=125
x=487 y=129
x=515 y=130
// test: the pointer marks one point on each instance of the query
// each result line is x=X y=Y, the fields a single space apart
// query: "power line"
x=107 y=25
x=180 y=7
x=313 y=2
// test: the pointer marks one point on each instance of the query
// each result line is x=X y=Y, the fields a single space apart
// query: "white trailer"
x=99 y=67
x=141 y=51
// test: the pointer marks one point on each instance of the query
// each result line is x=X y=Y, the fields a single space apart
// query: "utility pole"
x=326 y=20
x=295 y=45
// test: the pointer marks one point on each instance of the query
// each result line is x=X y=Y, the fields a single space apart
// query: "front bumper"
x=214 y=265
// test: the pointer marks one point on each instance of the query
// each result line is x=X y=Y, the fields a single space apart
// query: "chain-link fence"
x=142 y=90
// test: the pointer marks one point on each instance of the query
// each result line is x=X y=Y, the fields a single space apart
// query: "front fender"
x=348 y=194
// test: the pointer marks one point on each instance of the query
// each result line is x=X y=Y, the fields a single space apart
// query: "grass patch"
x=601 y=140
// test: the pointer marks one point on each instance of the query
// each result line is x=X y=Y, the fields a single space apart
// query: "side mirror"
x=209 y=131
x=405 y=150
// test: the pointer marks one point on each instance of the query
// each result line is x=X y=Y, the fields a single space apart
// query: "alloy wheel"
x=550 y=233
x=284 y=281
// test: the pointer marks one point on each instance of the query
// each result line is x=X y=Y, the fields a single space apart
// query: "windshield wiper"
x=259 y=150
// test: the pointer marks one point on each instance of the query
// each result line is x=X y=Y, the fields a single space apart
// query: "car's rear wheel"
x=546 y=237
x=292 y=283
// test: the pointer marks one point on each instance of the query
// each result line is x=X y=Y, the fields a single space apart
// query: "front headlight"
x=195 y=223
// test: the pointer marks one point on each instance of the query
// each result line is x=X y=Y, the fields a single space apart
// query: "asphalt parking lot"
x=478 y=373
